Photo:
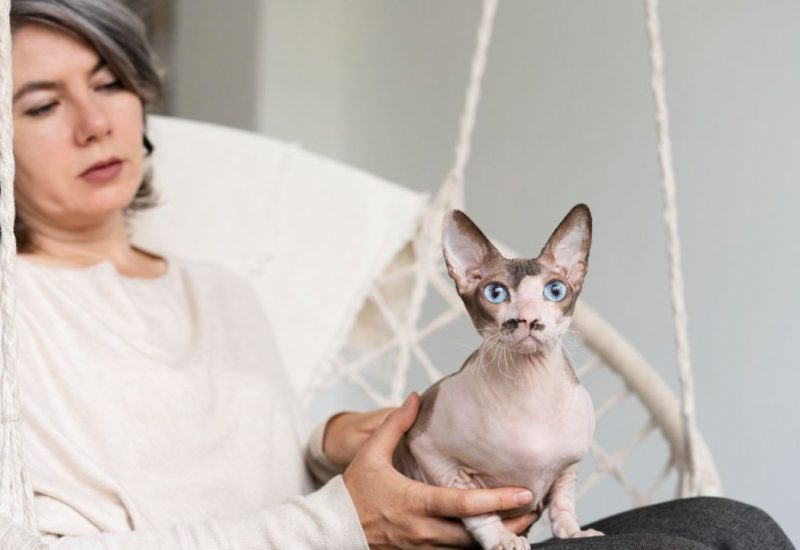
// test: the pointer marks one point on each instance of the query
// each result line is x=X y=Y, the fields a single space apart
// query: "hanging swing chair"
x=281 y=199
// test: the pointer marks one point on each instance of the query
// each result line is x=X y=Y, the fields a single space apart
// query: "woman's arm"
x=322 y=520
x=372 y=505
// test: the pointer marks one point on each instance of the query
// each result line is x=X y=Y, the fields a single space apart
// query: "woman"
x=157 y=413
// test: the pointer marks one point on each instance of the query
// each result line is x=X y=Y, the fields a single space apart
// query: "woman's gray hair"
x=120 y=40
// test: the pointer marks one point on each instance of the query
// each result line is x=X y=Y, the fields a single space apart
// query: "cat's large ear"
x=467 y=252
x=567 y=250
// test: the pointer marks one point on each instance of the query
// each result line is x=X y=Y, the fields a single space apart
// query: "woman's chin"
x=99 y=214
x=102 y=204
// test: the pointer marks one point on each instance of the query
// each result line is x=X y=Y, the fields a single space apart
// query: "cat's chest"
x=546 y=427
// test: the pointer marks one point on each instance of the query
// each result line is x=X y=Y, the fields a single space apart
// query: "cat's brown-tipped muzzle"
x=512 y=324
x=521 y=337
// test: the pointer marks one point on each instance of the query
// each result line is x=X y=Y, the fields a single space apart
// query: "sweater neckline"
x=102 y=267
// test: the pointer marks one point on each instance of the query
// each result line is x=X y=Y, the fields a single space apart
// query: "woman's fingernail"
x=522 y=497
x=407 y=401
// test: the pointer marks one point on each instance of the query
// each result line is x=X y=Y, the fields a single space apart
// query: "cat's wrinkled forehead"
x=519 y=268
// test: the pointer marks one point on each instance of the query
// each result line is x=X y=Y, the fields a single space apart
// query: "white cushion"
x=308 y=232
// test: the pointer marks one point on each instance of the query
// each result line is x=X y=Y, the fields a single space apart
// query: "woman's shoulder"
x=193 y=267
x=210 y=275
x=203 y=268
x=200 y=274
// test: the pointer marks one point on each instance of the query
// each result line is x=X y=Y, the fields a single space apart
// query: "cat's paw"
x=587 y=533
x=512 y=542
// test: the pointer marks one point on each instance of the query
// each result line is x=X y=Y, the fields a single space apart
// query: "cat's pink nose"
x=535 y=324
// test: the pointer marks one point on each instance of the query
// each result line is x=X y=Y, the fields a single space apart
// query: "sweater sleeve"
x=320 y=466
x=319 y=521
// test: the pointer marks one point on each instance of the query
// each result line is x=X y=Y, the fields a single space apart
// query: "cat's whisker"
x=566 y=350
x=493 y=343
x=568 y=353
x=485 y=346
x=575 y=337
x=491 y=346
x=481 y=353
x=501 y=361
x=506 y=356
x=482 y=346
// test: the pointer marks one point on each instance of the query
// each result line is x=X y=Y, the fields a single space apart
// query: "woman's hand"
x=346 y=432
x=397 y=512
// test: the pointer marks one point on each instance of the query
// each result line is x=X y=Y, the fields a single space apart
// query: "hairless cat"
x=515 y=414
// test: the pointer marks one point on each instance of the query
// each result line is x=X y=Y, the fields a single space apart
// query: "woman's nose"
x=92 y=122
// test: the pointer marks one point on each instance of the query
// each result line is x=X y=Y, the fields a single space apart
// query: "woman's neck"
x=77 y=249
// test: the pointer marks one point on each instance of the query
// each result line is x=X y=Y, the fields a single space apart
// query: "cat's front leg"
x=488 y=529
x=491 y=534
x=562 y=507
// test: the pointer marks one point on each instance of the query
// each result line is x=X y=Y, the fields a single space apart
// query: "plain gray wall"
x=567 y=117
x=213 y=71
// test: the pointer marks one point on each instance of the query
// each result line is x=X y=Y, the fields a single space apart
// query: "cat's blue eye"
x=555 y=291
x=495 y=293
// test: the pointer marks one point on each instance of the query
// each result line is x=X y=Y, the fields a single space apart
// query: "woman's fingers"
x=447 y=502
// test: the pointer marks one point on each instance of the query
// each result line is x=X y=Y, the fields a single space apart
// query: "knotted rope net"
x=384 y=372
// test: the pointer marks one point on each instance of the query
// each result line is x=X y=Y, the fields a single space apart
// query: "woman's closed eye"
x=110 y=86
x=41 y=110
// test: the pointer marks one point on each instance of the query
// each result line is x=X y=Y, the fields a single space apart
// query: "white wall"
x=567 y=117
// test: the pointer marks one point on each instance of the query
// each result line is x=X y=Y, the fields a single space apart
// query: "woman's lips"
x=103 y=171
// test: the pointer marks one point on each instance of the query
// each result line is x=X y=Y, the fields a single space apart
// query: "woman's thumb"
x=388 y=434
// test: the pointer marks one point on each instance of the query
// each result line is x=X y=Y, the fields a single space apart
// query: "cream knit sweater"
x=157 y=416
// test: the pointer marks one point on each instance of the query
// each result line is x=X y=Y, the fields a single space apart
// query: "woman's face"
x=77 y=134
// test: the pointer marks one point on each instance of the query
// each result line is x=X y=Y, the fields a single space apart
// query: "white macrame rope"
x=14 y=537
x=451 y=195
x=16 y=498
x=688 y=482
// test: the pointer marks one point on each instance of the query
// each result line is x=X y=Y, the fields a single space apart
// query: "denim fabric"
x=703 y=523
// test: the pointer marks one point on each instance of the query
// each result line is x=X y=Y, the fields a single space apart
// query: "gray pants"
x=687 y=524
